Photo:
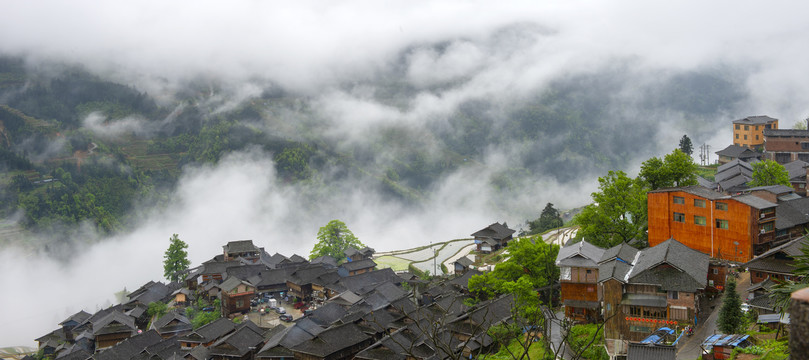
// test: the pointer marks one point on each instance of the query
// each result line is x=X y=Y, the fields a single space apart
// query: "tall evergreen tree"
x=175 y=260
x=686 y=146
x=549 y=219
x=730 y=315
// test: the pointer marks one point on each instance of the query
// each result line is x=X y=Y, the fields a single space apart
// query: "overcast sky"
x=499 y=49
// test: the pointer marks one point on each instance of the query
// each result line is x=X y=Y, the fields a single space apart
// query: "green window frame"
x=679 y=217
x=699 y=220
x=721 y=206
x=699 y=203
x=679 y=200
x=722 y=224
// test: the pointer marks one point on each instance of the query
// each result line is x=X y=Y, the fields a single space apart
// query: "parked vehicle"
x=285 y=317
x=280 y=310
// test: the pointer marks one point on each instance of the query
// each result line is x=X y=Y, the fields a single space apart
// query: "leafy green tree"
x=175 y=260
x=531 y=266
x=731 y=317
x=686 y=146
x=676 y=169
x=769 y=172
x=548 y=219
x=618 y=214
x=800 y=125
x=333 y=240
x=156 y=309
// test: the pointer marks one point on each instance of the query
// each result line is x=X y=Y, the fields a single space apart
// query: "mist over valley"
x=124 y=124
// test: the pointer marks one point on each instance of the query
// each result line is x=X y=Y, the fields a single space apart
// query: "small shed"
x=721 y=345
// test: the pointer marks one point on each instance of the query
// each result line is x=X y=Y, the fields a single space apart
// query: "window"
x=804 y=145
x=756 y=137
x=737 y=136
x=756 y=127
x=699 y=203
x=699 y=220
x=715 y=271
x=679 y=217
x=589 y=271
x=782 y=158
x=710 y=282
x=768 y=211
x=634 y=310
x=679 y=200
x=674 y=295
x=801 y=186
x=745 y=137
x=737 y=126
x=721 y=224
x=747 y=127
x=767 y=227
x=721 y=206
x=564 y=273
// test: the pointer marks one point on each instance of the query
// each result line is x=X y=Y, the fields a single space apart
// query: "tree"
x=685 y=145
x=618 y=213
x=532 y=264
x=800 y=125
x=175 y=260
x=731 y=317
x=769 y=172
x=676 y=169
x=333 y=240
x=548 y=219
x=782 y=291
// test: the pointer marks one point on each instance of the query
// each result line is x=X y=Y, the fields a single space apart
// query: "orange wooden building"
x=580 y=293
x=733 y=228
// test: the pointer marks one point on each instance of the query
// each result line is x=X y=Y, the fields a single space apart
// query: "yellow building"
x=749 y=131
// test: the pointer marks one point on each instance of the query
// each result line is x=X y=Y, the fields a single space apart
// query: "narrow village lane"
x=690 y=349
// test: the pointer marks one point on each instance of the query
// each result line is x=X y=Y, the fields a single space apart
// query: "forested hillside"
x=76 y=147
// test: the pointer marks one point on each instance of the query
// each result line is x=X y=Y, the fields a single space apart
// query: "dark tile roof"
x=76 y=354
x=683 y=269
x=729 y=173
x=463 y=280
x=754 y=201
x=359 y=265
x=580 y=254
x=151 y=292
x=172 y=322
x=211 y=331
x=796 y=168
x=734 y=184
x=231 y=283
x=239 y=246
x=495 y=231
x=360 y=284
x=114 y=322
x=245 y=272
x=792 y=213
x=308 y=273
x=325 y=260
x=762 y=302
x=367 y=251
x=273 y=348
x=77 y=318
x=644 y=300
x=271 y=277
x=276 y=259
x=755 y=120
x=695 y=190
x=332 y=340
x=622 y=251
x=638 y=351
x=131 y=347
x=733 y=164
x=779 y=258
x=786 y=133
x=349 y=251
x=736 y=151
x=327 y=314
x=237 y=343
x=464 y=261
x=297 y=258
x=705 y=183
x=200 y=352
